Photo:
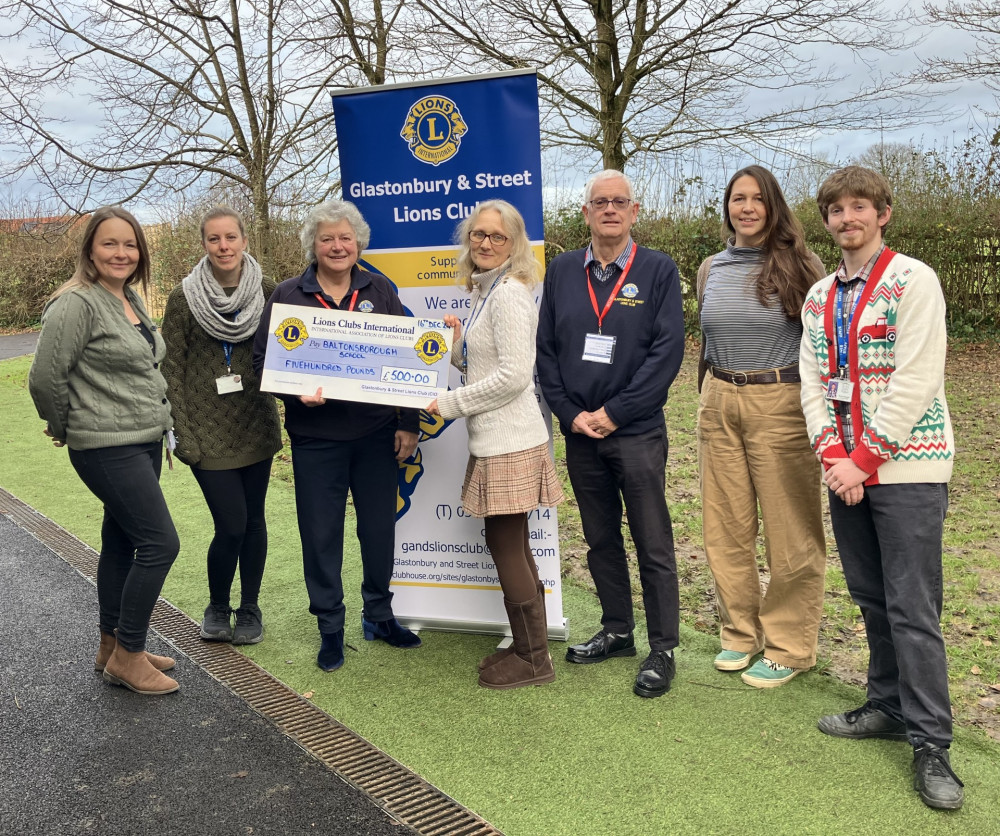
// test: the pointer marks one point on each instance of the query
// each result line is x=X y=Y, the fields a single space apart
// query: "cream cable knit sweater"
x=499 y=396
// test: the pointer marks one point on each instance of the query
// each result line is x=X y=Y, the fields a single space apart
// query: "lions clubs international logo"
x=434 y=129
x=431 y=347
x=291 y=333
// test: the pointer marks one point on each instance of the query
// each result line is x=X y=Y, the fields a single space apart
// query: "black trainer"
x=249 y=625
x=936 y=781
x=862 y=723
x=217 y=625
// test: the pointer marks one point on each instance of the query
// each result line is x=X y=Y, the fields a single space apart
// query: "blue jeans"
x=138 y=540
x=890 y=548
x=324 y=471
x=629 y=469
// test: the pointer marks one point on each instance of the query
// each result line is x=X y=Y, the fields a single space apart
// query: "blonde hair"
x=523 y=264
x=85 y=276
x=217 y=212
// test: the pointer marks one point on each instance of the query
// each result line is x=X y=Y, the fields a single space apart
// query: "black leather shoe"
x=655 y=674
x=602 y=646
x=861 y=723
x=938 y=785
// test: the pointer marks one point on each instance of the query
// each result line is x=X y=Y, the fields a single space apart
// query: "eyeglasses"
x=477 y=236
x=620 y=203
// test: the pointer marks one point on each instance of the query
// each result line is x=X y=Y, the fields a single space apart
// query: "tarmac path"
x=80 y=756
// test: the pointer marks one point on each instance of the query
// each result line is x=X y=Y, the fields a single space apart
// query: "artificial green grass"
x=581 y=756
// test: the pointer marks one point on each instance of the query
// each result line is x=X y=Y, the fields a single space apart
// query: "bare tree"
x=631 y=77
x=185 y=95
x=981 y=18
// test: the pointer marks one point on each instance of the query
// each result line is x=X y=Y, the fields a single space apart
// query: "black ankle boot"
x=391 y=632
x=331 y=652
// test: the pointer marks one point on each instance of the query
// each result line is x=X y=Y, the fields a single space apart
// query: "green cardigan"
x=94 y=379
x=215 y=432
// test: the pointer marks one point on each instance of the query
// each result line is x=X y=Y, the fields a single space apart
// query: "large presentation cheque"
x=374 y=358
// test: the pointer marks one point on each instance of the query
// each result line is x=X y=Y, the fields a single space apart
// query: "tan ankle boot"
x=136 y=672
x=161 y=663
x=530 y=663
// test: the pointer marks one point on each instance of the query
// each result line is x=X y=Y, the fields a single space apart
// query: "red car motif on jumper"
x=878 y=331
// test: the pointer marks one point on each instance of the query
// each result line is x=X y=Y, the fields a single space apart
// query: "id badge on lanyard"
x=600 y=348
x=841 y=388
x=229 y=382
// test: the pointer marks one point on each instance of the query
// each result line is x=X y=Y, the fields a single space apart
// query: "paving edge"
x=403 y=794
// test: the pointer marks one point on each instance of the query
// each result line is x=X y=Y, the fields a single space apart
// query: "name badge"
x=229 y=383
x=839 y=389
x=599 y=348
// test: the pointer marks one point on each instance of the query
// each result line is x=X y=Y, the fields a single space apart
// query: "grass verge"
x=581 y=756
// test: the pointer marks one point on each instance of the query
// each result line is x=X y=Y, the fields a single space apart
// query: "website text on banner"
x=374 y=358
x=416 y=159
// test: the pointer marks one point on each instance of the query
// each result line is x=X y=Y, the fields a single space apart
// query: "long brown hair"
x=85 y=275
x=789 y=268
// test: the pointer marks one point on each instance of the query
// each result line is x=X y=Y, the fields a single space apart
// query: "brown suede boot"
x=135 y=672
x=493 y=658
x=161 y=663
x=530 y=663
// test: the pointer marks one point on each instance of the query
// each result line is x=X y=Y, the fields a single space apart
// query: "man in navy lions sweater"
x=610 y=342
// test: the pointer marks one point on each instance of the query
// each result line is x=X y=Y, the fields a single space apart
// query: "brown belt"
x=786 y=374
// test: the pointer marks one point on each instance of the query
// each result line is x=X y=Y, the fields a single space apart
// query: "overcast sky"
x=968 y=104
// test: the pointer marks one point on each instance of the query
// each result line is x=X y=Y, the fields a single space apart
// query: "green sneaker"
x=732 y=660
x=768 y=674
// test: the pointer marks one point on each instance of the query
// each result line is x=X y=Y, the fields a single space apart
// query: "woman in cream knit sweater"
x=510 y=472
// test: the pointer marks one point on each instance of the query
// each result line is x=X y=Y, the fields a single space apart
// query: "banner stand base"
x=556 y=632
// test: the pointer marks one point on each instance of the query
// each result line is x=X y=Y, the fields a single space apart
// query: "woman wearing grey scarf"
x=227 y=429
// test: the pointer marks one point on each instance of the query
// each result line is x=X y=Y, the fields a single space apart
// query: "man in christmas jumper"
x=872 y=366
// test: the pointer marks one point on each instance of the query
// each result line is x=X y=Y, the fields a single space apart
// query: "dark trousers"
x=324 y=472
x=604 y=474
x=138 y=540
x=236 y=500
x=890 y=548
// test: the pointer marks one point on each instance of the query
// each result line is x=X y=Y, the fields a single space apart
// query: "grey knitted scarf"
x=213 y=309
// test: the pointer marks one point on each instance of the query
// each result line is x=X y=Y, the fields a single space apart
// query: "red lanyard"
x=322 y=301
x=614 y=292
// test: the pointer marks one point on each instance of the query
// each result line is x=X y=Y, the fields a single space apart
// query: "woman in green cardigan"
x=96 y=382
x=227 y=429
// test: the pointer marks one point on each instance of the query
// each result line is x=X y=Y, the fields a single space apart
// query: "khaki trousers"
x=753 y=449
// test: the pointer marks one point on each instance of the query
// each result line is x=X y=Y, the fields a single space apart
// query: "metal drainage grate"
x=401 y=793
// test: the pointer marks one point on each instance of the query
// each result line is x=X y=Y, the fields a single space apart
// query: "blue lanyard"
x=843 y=328
x=472 y=320
x=227 y=350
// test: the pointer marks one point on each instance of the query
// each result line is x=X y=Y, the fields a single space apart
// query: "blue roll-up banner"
x=416 y=159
